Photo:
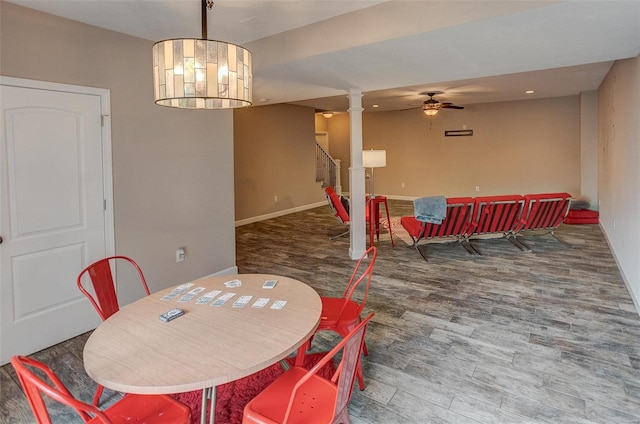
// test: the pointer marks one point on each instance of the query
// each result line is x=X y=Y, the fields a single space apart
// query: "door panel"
x=33 y=182
x=52 y=215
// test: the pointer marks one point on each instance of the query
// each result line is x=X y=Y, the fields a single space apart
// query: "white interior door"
x=52 y=214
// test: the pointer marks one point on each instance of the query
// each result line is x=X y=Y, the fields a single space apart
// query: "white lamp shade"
x=201 y=74
x=374 y=158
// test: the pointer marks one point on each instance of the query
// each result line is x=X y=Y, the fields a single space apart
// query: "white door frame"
x=107 y=175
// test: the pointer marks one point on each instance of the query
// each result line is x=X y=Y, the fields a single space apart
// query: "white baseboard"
x=279 y=213
x=632 y=294
x=232 y=270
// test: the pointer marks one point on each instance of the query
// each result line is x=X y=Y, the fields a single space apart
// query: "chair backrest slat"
x=100 y=276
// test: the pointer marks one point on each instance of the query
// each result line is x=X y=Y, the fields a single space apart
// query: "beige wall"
x=517 y=147
x=274 y=156
x=172 y=169
x=618 y=167
x=589 y=147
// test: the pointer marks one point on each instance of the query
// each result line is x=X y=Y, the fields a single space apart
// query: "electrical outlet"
x=275 y=198
x=477 y=189
x=180 y=254
x=402 y=185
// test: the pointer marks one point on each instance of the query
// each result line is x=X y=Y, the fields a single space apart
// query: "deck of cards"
x=171 y=315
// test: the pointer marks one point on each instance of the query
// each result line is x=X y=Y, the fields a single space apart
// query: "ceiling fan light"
x=431 y=108
x=430 y=112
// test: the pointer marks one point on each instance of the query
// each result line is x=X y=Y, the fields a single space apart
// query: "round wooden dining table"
x=134 y=351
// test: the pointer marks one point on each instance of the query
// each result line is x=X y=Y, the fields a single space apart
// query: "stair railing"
x=327 y=169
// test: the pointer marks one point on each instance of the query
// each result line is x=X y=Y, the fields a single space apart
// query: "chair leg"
x=364 y=349
x=302 y=350
x=359 y=375
x=96 y=397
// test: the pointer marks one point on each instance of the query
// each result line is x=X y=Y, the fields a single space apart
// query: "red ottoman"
x=581 y=216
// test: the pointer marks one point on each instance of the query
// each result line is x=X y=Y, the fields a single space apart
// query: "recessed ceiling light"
x=375 y=105
x=264 y=100
x=529 y=92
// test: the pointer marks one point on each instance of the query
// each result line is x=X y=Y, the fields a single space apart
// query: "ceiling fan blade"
x=450 y=106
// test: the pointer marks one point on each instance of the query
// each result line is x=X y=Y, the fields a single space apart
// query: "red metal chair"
x=149 y=409
x=339 y=211
x=100 y=276
x=342 y=314
x=302 y=396
x=495 y=216
x=453 y=226
x=542 y=212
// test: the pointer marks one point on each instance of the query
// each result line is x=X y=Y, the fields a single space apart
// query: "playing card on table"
x=278 y=304
x=260 y=303
x=233 y=283
x=222 y=299
x=191 y=294
x=269 y=284
x=207 y=297
x=177 y=291
x=242 y=301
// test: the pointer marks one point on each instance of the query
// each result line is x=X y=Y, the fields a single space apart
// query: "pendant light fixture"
x=191 y=73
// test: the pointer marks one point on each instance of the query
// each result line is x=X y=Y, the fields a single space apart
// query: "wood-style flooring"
x=548 y=336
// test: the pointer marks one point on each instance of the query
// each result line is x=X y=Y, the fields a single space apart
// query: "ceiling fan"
x=432 y=106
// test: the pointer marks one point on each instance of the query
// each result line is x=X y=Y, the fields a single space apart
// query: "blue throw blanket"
x=430 y=209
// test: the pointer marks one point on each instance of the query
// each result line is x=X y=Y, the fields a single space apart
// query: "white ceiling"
x=312 y=52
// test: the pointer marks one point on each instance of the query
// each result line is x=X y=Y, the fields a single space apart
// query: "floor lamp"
x=374 y=159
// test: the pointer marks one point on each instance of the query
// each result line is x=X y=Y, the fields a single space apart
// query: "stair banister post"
x=338 y=187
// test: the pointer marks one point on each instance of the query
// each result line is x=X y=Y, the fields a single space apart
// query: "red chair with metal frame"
x=342 y=314
x=150 y=409
x=340 y=211
x=542 y=213
x=100 y=275
x=302 y=396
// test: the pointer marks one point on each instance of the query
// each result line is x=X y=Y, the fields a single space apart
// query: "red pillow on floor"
x=581 y=216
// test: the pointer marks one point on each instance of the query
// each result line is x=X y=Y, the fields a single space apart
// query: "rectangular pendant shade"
x=193 y=73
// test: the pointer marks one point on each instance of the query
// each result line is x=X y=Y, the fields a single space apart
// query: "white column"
x=358 y=224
